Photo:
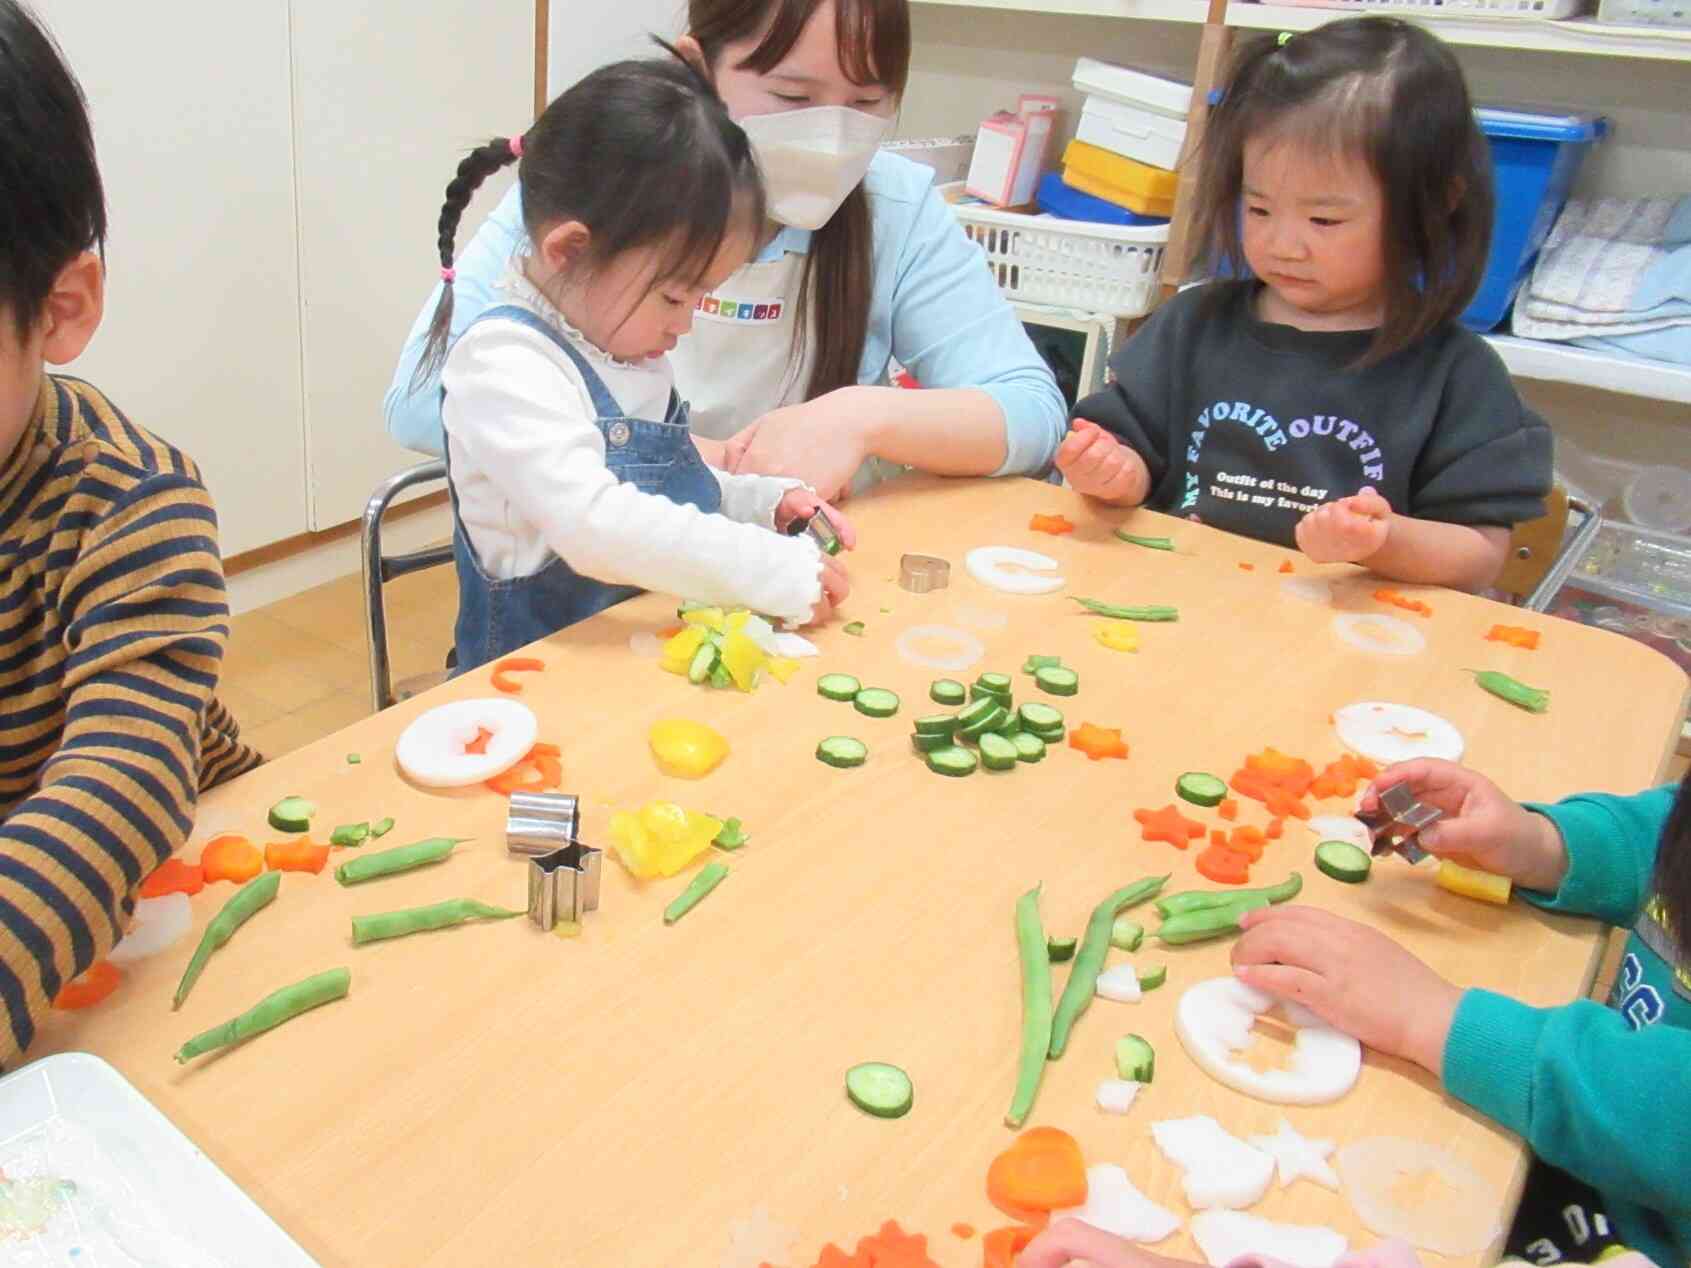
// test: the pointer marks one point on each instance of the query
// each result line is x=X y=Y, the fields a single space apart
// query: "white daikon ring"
x=1462 y=1220
x=1377 y=632
x=987 y=565
x=1387 y=733
x=431 y=750
x=1214 y=1020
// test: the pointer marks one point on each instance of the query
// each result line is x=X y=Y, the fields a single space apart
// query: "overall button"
x=619 y=433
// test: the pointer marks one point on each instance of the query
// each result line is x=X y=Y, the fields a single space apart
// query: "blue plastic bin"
x=1535 y=157
x=1068 y=203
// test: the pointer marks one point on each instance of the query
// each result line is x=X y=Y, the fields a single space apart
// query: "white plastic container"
x=1139 y=116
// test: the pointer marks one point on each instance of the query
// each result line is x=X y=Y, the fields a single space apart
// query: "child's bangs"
x=686 y=253
x=873 y=36
x=1340 y=126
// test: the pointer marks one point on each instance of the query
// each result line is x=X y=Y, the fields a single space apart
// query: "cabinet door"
x=200 y=342
x=387 y=98
x=583 y=34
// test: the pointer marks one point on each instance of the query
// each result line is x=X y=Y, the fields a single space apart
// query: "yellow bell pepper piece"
x=708 y=617
x=783 y=667
x=661 y=838
x=1472 y=883
x=1118 y=636
x=688 y=749
x=744 y=660
x=678 y=651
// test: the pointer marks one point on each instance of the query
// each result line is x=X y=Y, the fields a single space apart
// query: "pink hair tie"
x=449 y=275
x=516 y=144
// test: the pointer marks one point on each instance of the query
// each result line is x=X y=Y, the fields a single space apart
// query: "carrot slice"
x=173 y=876
x=1224 y=866
x=1056 y=525
x=298 y=855
x=230 y=858
x=515 y=665
x=478 y=746
x=1098 y=742
x=1247 y=567
x=1000 y=1247
x=1514 y=635
x=1276 y=829
x=1397 y=600
x=539 y=770
x=1167 y=824
x=1285 y=565
x=1228 y=809
x=965 y=1231
x=89 y=988
x=1042 y=1170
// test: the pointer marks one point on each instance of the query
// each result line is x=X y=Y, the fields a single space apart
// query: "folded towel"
x=1611 y=267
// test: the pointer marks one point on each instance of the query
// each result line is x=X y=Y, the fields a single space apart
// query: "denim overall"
x=495 y=617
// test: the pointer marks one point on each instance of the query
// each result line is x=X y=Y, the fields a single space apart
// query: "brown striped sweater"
x=112 y=628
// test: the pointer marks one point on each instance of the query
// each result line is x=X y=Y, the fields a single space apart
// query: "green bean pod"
x=401 y=858
x=1150 y=543
x=1516 y=692
x=1036 y=1005
x=1207 y=922
x=246 y=902
x=350 y=834
x=270 y=1012
x=396 y=924
x=1200 y=899
x=1153 y=612
x=1089 y=960
x=709 y=877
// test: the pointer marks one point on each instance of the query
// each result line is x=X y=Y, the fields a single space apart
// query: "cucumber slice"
x=720 y=678
x=880 y=1089
x=936 y=724
x=874 y=702
x=842 y=750
x=931 y=743
x=1033 y=664
x=838 y=686
x=1038 y=717
x=1343 y=861
x=1126 y=934
x=1152 y=978
x=947 y=691
x=1060 y=949
x=978 y=692
x=704 y=660
x=350 y=834
x=292 y=814
x=989 y=723
x=1029 y=747
x=1201 y=789
x=979 y=711
x=952 y=761
x=1136 y=1060
x=1054 y=735
x=998 y=684
x=1011 y=727
x=1057 y=680
x=997 y=753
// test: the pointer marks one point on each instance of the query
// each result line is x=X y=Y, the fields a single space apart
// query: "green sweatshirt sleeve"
x=1586 y=1092
x=1611 y=853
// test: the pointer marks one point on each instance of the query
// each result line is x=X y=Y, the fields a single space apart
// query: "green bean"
x=350 y=834
x=1200 y=899
x=270 y=1012
x=1089 y=960
x=396 y=924
x=1207 y=922
x=381 y=828
x=401 y=858
x=1150 y=543
x=1155 y=612
x=248 y=901
x=709 y=877
x=1516 y=692
x=1036 y=1005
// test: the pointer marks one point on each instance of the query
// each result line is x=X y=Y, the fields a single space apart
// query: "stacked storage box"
x=1119 y=167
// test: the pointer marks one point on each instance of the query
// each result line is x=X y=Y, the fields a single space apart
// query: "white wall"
x=584 y=34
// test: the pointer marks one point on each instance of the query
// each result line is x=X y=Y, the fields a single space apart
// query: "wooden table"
x=494 y=1094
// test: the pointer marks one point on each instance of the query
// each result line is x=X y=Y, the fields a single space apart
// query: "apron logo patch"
x=738 y=310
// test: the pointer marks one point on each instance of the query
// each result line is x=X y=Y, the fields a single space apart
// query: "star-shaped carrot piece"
x=1056 y=525
x=1098 y=742
x=1168 y=824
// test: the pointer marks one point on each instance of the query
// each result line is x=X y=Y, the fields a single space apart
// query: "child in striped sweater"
x=112 y=613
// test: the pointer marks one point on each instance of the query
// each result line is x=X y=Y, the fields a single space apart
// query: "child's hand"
x=802 y=504
x=835 y=587
x=1347 y=531
x=714 y=453
x=1097 y=464
x=1481 y=826
x=1072 y=1242
x=1350 y=976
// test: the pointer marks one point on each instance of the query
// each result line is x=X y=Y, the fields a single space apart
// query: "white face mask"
x=811 y=159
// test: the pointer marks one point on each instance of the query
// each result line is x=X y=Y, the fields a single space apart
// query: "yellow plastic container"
x=1139 y=187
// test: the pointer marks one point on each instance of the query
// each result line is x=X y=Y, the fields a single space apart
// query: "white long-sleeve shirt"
x=528 y=466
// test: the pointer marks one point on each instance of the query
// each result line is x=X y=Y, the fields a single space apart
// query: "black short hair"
x=1672 y=880
x=52 y=203
x=1390 y=94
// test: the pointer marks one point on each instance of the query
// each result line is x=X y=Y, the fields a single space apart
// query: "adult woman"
x=865 y=262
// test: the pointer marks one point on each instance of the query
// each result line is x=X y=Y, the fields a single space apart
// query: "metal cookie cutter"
x=563 y=885
x=538 y=823
x=922 y=573
x=1398 y=821
x=821 y=530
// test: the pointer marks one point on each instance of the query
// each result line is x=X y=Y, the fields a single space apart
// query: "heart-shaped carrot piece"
x=1041 y=1171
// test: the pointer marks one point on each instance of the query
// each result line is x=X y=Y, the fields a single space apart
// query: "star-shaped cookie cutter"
x=563 y=885
x=821 y=530
x=1398 y=821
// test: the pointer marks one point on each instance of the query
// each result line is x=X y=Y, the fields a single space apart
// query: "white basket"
x=1551 y=9
x=1110 y=269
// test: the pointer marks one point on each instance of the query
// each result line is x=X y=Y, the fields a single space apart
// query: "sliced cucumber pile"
x=880 y=1089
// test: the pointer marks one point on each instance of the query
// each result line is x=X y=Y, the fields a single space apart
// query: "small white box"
x=1117 y=83
x=1132 y=131
x=1010 y=152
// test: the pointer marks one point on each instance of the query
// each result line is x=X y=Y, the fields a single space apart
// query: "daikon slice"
x=1457 y=1216
x=1214 y=1020
x=1115 y=1096
x=1223 y=1236
x=988 y=565
x=1114 y=1205
x=1388 y=733
x=1342 y=828
x=1297 y=1156
x=431 y=750
x=1120 y=984
x=159 y=923
x=1221 y=1170
x=1377 y=632
x=792 y=646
